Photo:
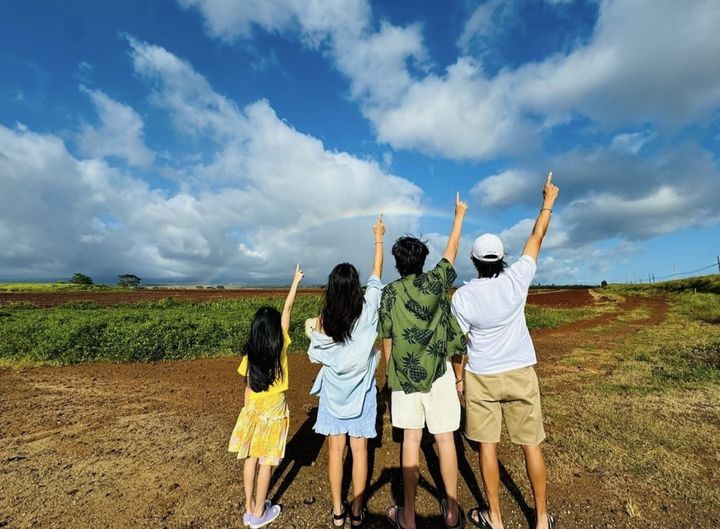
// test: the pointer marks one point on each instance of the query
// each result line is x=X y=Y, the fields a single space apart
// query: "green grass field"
x=706 y=284
x=166 y=330
x=52 y=287
x=640 y=409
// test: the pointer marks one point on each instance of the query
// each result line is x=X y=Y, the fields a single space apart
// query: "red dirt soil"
x=145 y=446
x=566 y=298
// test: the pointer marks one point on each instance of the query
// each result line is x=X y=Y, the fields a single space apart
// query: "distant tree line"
x=124 y=280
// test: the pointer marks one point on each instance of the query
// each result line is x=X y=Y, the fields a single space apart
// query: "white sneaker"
x=269 y=516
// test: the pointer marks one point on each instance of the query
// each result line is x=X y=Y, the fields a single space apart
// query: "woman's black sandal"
x=357 y=520
x=552 y=524
x=395 y=522
x=337 y=517
x=460 y=523
x=481 y=521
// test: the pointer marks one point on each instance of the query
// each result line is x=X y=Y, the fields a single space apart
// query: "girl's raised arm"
x=379 y=231
x=287 y=309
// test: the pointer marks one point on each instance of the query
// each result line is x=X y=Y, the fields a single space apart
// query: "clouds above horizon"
x=639 y=69
x=245 y=214
x=187 y=168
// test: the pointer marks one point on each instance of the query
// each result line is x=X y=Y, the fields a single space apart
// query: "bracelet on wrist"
x=546 y=209
x=458 y=380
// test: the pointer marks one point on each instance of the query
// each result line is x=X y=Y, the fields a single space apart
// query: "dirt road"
x=144 y=446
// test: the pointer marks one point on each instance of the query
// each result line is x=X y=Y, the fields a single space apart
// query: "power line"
x=688 y=272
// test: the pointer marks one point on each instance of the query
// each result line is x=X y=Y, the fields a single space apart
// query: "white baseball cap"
x=488 y=248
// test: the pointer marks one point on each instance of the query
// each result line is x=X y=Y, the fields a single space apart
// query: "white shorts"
x=439 y=408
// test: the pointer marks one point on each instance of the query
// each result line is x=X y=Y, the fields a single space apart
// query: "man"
x=500 y=379
x=419 y=335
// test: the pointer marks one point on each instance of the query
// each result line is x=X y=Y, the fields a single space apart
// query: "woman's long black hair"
x=343 y=302
x=263 y=348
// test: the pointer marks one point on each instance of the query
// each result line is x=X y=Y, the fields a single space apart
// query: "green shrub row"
x=164 y=330
x=167 y=330
x=706 y=284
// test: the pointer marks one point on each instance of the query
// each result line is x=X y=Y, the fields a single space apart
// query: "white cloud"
x=629 y=73
x=270 y=196
x=631 y=142
x=229 y=19
x=640 y=66
x=376 y=63
x=460 y=115
x=194 y=107
x=506 y=188
x=482 y=24
x=120 y=132
x=608 y=194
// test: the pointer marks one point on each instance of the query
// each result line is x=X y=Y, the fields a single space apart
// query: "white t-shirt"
x=491 y=311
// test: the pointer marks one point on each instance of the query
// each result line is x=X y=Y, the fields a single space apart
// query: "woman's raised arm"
x=379 y=231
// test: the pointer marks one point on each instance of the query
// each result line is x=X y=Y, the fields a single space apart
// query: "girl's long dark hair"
x=263 y=349
x=343 y=302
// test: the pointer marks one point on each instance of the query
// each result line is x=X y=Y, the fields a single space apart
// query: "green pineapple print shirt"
x=415 y=313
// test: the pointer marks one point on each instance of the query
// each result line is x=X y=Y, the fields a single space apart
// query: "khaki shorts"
x=513 y=396
x=439 y=408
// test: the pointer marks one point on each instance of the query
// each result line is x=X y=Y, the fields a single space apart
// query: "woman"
x=342 y=339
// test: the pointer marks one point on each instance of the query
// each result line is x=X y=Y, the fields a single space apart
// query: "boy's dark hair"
x=410 y=253
x=263 y=349
x=343 y=302
x=485 y=269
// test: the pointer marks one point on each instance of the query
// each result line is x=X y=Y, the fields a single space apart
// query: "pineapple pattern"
x=421 y=312
x=387 y=300
x=438 y=349
x=413 y=369
x=425 y=286
x=415 y=314
x=413 y=335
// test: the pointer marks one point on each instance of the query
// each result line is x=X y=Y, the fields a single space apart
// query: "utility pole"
x=653 y=276
x=718 y=259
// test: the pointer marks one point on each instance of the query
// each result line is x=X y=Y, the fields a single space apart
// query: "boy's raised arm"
x=287 y=309
x=454 y=241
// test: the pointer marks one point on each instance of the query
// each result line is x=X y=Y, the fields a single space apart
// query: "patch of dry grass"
x=641 y=410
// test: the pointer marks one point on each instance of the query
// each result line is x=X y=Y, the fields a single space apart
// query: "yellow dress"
x=262 y=426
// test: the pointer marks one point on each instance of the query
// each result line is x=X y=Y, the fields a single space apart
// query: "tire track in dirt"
x=553 y=344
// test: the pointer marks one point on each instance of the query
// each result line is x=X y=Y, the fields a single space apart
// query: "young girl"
x=261 y=429
x=342 y=339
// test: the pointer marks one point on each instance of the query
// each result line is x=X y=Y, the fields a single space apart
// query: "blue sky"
x=222 y=141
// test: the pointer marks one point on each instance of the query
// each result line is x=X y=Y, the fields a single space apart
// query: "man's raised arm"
x=550 y=193
x=453 y=243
